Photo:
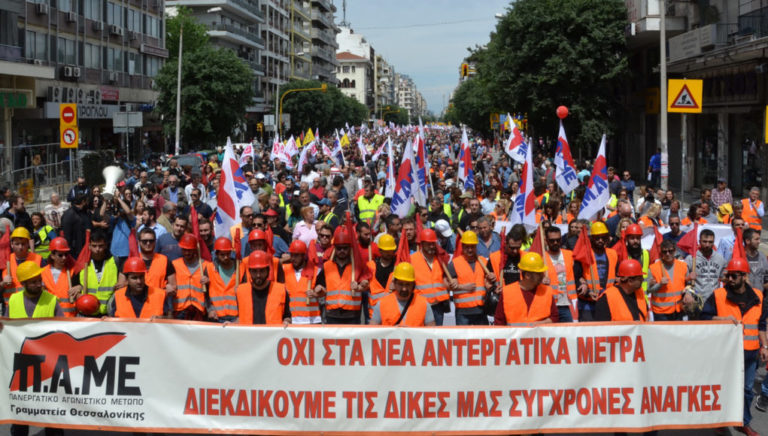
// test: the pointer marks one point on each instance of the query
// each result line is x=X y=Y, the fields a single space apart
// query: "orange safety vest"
x=301 y=306
x=429 y=279
x=189 y=289
x=275 y=304
x=60 y=289
x=618 y=307
x=153 y=305
x=222 y=295
x=669 y=298
x=749 y=321
x=414 y=317
x=569 y=217
x=647 y=222
x=749 y=213
x=339 y=293
x=688 y=222
x=518 y=313
x=569 y=287
x=377 y=290
x=16 y=285
x=465 y=275
x=595 y=283
x=155 y=276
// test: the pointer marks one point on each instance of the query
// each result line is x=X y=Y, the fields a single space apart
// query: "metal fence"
x=40 y=169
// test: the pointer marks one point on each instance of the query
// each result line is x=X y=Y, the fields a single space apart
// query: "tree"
x=216 y=88
x=395 y=114
x=471 y=106
x=195 y=33
x=323 y=110
x=547 y=53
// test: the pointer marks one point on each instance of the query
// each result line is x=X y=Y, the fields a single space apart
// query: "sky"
x=412 y=37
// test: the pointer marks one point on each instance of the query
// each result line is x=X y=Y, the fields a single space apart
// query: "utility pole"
x=663 y=98
x=177 y=149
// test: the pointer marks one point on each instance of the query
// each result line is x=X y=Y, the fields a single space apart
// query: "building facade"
x=275 y=56
x=384 y=79
x=324 y=44
x=355 y=75
x=300 y=36
x=355 y=44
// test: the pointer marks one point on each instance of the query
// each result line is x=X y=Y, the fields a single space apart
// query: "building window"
x=115 y=59
x=345 y=69
x=134 y=20
x=345 y=83
x=65 y=5
x=92 y=56
x=153 y=27
x=114 y=14
x=36 y=47
x=353 y=69
x=153 y=65
x=92 y=9
x=134 y=63
x=352 y=84
x=65 y=51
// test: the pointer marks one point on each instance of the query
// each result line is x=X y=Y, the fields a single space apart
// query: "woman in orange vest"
x=403 y=307
x=573 y=210
x=300 y=284
x=137 y=300
x=19 y=253
x=626 y=300
x=58 y=278
x=262 y=301
x=527 y=301
x=650 y=218
x=223 y=273
x=694 y=216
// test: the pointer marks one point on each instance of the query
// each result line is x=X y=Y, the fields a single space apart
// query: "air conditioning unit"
x=70 y=95
x=41 y=9
x=97 y=97
x=67 y=71
x=71 y=17
x=98 y=26
x=112 y=77
x=75 y=71
x=133 y=35
x=54 y=94
x=116 y=30
x=38 y=62
x=80 y=96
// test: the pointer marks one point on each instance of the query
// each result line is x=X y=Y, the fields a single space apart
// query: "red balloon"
x=87 y=304
x=562 y=112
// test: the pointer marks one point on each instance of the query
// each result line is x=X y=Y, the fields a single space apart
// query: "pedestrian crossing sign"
x=684 y=96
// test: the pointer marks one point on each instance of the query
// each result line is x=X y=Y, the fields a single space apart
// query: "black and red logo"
x=44 y=364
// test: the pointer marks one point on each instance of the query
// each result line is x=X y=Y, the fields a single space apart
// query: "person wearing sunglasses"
x=626 y=300
x=742 y=304
x=160 y=271
x=594 y=281
x=666 y=284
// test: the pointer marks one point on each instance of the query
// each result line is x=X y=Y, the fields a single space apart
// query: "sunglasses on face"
x=147 y=241
x=733 y=275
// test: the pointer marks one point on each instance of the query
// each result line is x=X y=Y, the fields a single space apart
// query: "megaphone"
x=112 y=175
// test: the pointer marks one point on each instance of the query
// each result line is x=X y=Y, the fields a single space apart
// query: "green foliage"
x=195 y=34
x=394 y=113
x=471 y=106
x=546 y=53
x=316 y=109
x=217 y=86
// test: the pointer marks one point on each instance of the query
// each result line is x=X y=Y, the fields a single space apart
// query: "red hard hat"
x=87 y=304
x=428 y=235
x=738 y=264
x=298 y=247
x=633 y=230
x=259 y=259
x=188 y=241
x=257 y=235
x=630 y=268
x=271 y=212
x=134 y=265
x=222 y=244
x=342 y=238
x=58 y=244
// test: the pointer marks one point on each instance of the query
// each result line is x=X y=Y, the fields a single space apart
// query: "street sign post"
x=68 y=133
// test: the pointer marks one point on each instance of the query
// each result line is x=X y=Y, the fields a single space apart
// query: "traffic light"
x=260 y=127
x=464 y=70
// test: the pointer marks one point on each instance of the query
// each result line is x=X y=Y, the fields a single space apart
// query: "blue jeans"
x=750 y=368
x=565 y=313
x=586 y=311
x=438 y=312
x=479 y=319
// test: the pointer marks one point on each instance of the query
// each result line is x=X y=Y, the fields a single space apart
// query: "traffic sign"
x=69 y=137
x=684 y=96
x=68 y=132
x=68 y=115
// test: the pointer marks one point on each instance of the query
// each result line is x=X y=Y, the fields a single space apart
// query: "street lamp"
x=322 y=88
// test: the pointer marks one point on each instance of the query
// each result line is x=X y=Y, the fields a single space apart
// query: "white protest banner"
x=168 y=376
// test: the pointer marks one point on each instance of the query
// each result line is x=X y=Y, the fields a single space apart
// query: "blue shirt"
x=486 y=250
x=168 y=246
x=601 y=260
x=655 y=162
x=120 y=232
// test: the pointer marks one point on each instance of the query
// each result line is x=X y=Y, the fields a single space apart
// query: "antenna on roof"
x=344 y=14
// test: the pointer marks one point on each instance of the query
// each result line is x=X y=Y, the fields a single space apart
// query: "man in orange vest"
x=527 y=301
x=160 y=272
x=304 y=305
x=343 y=297
x=403 y=306
x=137 y=299
x=257 y=241
x=262 y=301
x=742 y=304
x=58 y=278
x=600 y=275
x=626 y=300
x=753 y=209
x=223 y=272
x=666 y=284
x=381 y=268
x=469 y=282
x=429 y=275
x=191 y=281
x=560 y=274
x=513 y=242
x=19 y=253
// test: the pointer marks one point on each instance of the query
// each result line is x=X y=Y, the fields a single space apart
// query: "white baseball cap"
x=443 y=228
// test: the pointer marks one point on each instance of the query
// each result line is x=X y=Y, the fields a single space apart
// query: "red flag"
x=621 y=249
x=133 y=244
x=459 y=250
x=503 y=257
x=582 y=251
x=204 y=253
x=85 y=254
x=689 y=242
x=537 y=245
x=361 y=267
x=237 y=245
x=270 y=240
x=655 y=252
x=738 y=245
x=419 y=227
x=5 y=246
x=403 y=252
x=312 y=254
x=311 y=265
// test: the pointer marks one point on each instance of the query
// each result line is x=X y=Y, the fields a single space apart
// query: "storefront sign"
x=169 y=376
x=110 y=94
x=16 y=98
x=84 y=111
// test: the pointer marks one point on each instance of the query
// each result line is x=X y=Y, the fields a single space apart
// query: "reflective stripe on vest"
x=103 y=289
x=368 y=208
x=189 y=289
x=750 y=215
x=45 y=307
x=60 y=289
x=429 y=279
x=618 y=307
x=594 y=283
x=377 y=290
x=222 y=295
x=414 y=316
x=42 y=248
x=515 y=309
x=339 y=294
x=153 y=305
x=569 y=287
x=668 y=299
x=300 y=305
x=465 y=275
x=16 y=285
x=749 y=320
x=273 y=311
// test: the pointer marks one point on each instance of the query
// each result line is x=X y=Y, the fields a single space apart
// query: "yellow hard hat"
x=725 y=209
x=404 y=271
x=21 y=232
x=532 y=262
x=387 y=242
x=598 y=228
x=28 y=270
x=469 y=238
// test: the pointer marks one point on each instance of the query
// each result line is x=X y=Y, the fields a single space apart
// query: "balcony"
x=323 y=36
x=235 y=35
x=297 y=8
x=322 y=18
x=10 y=53
x=323 y=53
x=645 y=22
x=300 y=31
x=239 y=7
x=754 y=24
x=325 y=4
